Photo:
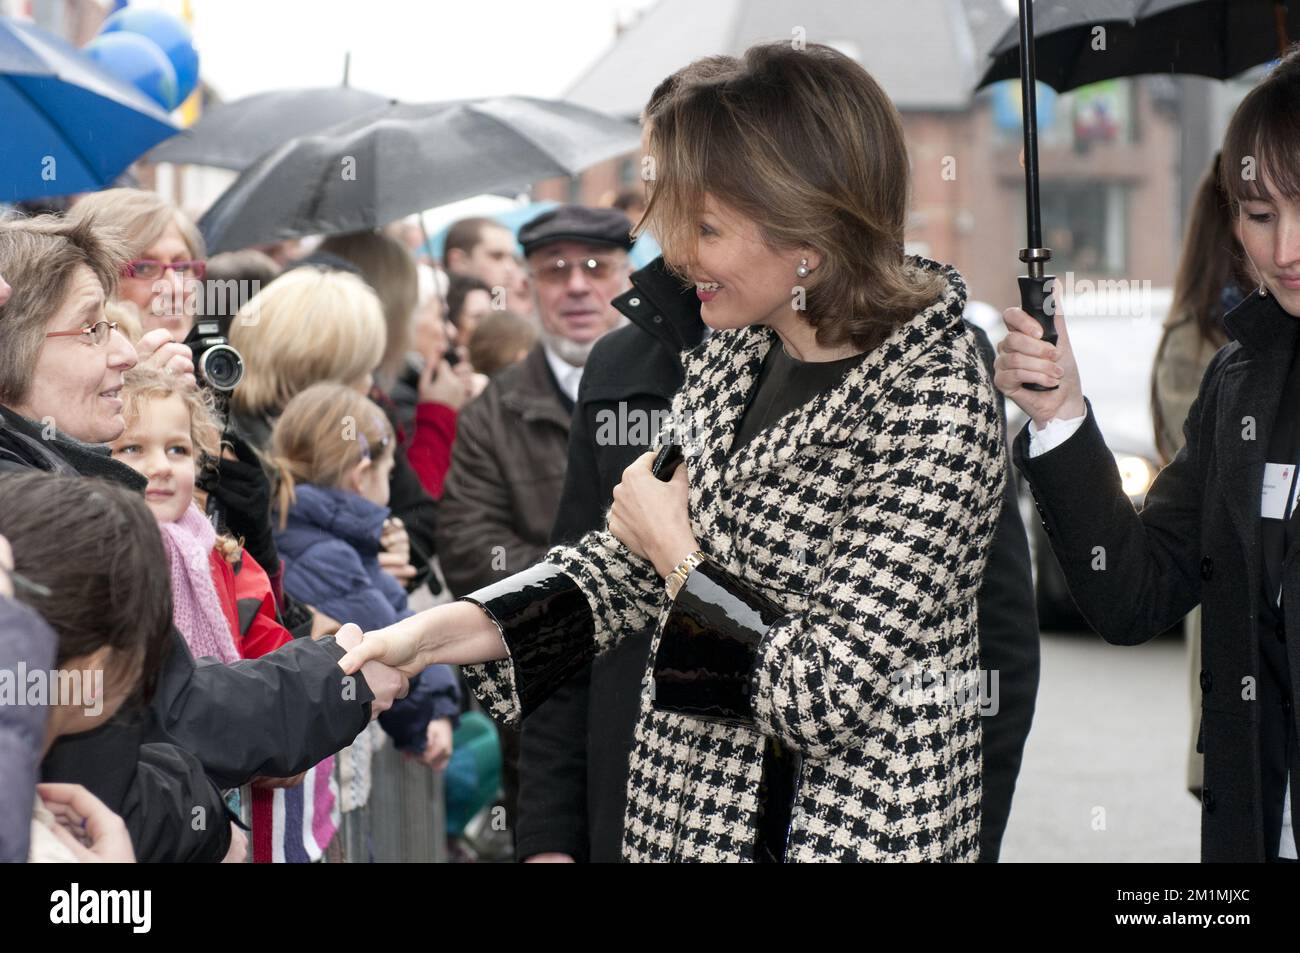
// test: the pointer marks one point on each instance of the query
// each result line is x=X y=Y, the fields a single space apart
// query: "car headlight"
x=1135 y=474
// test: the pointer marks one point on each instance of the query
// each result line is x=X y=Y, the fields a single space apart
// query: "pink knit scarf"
x=196 y=608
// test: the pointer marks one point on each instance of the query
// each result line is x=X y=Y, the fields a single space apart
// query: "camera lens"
x=221 y=367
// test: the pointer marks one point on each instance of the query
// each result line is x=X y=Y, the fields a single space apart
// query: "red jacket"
x=430 y=451
x=249 y=603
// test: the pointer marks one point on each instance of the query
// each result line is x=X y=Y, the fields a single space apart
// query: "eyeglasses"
x=98 y=333
x=149 y=269
x=556 y=271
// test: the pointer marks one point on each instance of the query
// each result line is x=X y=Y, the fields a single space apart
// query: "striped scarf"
x=295 y=825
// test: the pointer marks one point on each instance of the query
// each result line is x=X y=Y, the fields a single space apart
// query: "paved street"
x=1104 y=772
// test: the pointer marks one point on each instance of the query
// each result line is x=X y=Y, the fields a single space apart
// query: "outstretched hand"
x=386 y=683
x=458 y=633
x=383 y=647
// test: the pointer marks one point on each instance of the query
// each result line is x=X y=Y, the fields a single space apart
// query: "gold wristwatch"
x=677 y=578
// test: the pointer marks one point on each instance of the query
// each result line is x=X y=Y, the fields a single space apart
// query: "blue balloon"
x=172 y=37
x=137 y=61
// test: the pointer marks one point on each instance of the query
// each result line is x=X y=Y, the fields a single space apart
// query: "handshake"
x=458 y=633
x=386 y=682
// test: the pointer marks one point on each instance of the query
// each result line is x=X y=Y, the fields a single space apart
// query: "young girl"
x=334 y=449
x=170 y=431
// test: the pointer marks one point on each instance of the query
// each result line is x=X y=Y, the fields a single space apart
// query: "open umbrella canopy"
x=235 y=135
x=367 y=172
x=1215 y=38
x=69 y=126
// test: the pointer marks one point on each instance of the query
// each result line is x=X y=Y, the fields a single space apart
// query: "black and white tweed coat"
x=867 y=514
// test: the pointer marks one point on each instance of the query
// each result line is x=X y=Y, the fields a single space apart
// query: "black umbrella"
x=235 y=135
x=1035 y=287
x=1215 y=38
x=371 y=171
x=1085 y=41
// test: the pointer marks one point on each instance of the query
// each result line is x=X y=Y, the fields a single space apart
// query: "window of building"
x=1085 y=224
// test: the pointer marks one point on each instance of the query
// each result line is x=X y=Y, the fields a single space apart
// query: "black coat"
x=1197 y=539
x=575 y=746
x=209 y=724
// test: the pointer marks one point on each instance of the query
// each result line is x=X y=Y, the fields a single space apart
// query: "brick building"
x=1110 y=155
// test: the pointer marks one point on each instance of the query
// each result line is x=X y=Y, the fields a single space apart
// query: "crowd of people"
x=815 y=639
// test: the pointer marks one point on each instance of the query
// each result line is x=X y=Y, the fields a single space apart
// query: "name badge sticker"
x=1279 y=490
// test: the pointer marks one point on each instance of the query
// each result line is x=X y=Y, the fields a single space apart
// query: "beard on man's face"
x=575 y=352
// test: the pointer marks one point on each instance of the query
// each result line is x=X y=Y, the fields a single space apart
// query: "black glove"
x=243 y=490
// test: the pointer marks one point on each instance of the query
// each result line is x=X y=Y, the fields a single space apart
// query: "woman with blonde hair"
x=312 y=325
x=308 y=325
x=814 y=560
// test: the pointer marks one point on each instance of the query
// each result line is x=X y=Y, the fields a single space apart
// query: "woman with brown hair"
x=1211 y=281
x=814 y=560
x=1218 y=525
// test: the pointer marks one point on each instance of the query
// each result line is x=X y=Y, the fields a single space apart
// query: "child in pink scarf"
x=169 y=430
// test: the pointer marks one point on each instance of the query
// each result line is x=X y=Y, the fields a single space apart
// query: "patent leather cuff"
x=546 y=624
x=709 y=645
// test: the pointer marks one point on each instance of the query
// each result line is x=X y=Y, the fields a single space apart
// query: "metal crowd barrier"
x=406 y=816
x=404 y=822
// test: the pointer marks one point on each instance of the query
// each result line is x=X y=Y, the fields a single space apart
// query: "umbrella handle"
x=1037 y=301
x=1279 y=17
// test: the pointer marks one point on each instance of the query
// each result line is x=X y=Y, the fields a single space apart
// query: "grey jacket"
x=25 y=639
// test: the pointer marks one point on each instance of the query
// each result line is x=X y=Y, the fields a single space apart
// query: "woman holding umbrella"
x=1218 y=527
x=817 y=554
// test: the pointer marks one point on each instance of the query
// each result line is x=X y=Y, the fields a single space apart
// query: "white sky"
x=414 y=50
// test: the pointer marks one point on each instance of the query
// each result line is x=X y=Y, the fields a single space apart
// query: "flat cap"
x=577 y=223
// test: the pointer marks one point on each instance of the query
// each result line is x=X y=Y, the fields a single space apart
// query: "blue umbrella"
x=69 y=126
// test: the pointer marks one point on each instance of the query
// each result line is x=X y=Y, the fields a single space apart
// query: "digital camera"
x=216 y=364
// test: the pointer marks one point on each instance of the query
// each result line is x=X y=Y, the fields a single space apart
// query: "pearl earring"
x=803 y=271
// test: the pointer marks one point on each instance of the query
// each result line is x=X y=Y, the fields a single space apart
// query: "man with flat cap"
x=502 y=492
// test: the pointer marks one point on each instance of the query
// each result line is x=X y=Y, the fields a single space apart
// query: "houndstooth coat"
x=867 y=515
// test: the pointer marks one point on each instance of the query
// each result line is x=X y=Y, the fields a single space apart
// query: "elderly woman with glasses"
x=61 y=359
x=61 y=373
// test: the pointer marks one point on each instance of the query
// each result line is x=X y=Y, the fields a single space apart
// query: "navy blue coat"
x=330 y=549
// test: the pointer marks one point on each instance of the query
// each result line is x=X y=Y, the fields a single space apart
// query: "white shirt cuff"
x=1054 y=434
